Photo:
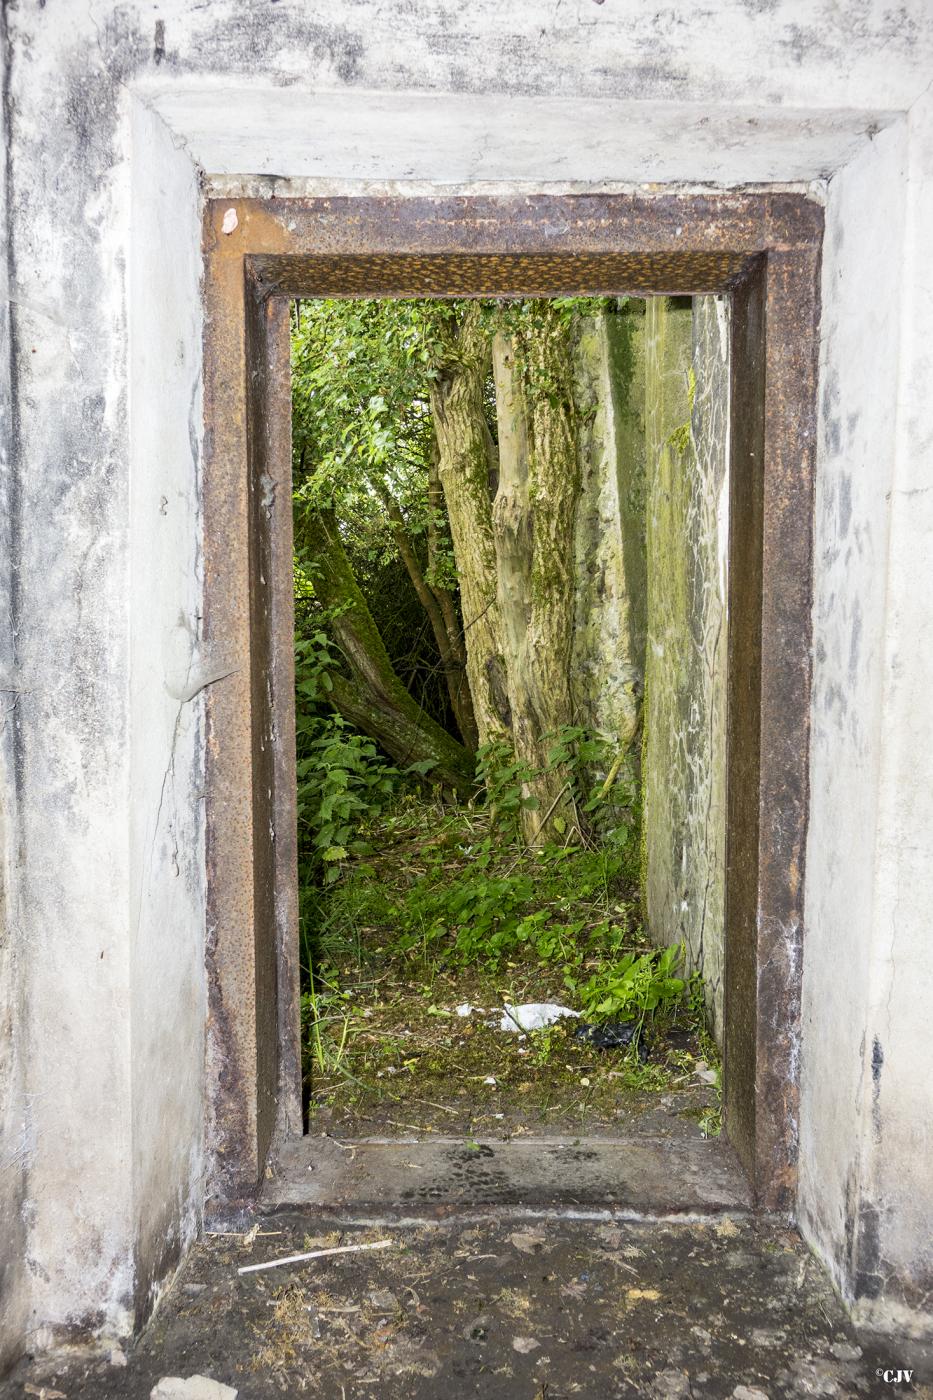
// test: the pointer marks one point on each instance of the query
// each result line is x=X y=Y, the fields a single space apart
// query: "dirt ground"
x=401 y=1023
x=418 y=1069
x=504 y=1309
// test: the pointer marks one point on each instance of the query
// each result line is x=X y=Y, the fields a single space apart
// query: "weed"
x=710 y=1120
x=323 y=1006
x=636 y=987
x=429 y=906
x=342 y=780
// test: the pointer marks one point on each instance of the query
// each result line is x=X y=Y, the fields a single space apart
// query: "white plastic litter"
x=534 y=1016
x=465 y=1009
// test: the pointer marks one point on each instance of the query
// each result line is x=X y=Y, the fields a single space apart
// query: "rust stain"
x=640 y=243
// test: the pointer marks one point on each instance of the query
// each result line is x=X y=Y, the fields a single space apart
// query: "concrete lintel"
x=452 y=139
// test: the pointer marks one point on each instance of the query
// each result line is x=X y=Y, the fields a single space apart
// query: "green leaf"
x=422 y=767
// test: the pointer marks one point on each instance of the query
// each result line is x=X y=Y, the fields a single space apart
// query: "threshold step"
x=429 y=1179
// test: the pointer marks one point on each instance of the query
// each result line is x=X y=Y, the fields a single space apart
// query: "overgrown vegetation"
x=464 y=841
x=421 y=906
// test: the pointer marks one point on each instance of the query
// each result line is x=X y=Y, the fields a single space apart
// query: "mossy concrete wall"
x=686 y=428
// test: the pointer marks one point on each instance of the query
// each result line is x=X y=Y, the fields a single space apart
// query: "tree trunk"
x=375 y=700
x=445 y=596
x=608 y=659
x=534 y=519
x=449 y=643
x=464 y=466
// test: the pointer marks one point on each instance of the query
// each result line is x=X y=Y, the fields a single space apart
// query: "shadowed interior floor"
x=505 y=1309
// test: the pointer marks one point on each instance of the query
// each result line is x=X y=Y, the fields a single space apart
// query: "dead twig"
x=242 y=1235
x=545 y=819
x=313 y=1254
x=443 y=1107
x=344 y=1146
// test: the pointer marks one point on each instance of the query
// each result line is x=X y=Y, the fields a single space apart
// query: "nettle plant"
x=343 y=780
x=636 y=987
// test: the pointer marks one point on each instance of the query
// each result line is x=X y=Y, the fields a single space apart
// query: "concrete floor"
x=522 y=1305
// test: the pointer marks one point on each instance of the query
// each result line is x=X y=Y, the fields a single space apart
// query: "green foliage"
x=508 y=902
x=479 y=914
x=502 y=777
x=343 y=782
x=463 y=894
x=603 y=788
x=362 y=445
x=362 y=432
x=451 y=904
x=326 y=1022
x=481 y=897
x=360 y=383
x=637 y=986
x=710 y=1118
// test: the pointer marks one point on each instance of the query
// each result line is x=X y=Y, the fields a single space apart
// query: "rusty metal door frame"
x=764 y=250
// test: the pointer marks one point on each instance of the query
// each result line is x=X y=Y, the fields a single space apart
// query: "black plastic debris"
x=612 y=1035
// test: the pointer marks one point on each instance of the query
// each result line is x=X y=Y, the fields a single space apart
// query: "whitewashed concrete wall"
x=105 y=872
x=866 y=1189
x=13 y=1285
x=687 y=449
x=168 y=670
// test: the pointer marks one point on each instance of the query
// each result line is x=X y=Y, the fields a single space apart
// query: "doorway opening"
x=734 y=273
x=507 y=514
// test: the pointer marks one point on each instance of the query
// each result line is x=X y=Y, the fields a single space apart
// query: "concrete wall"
x=168 y=669
x=866 y=1126
x=114 y=114
x=687 y=449
x=13 y=1285
x=68 y=616
x=107 y=882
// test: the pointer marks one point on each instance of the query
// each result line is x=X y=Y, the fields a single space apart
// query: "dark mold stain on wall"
x=869 y=1274
x=877 y=1064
